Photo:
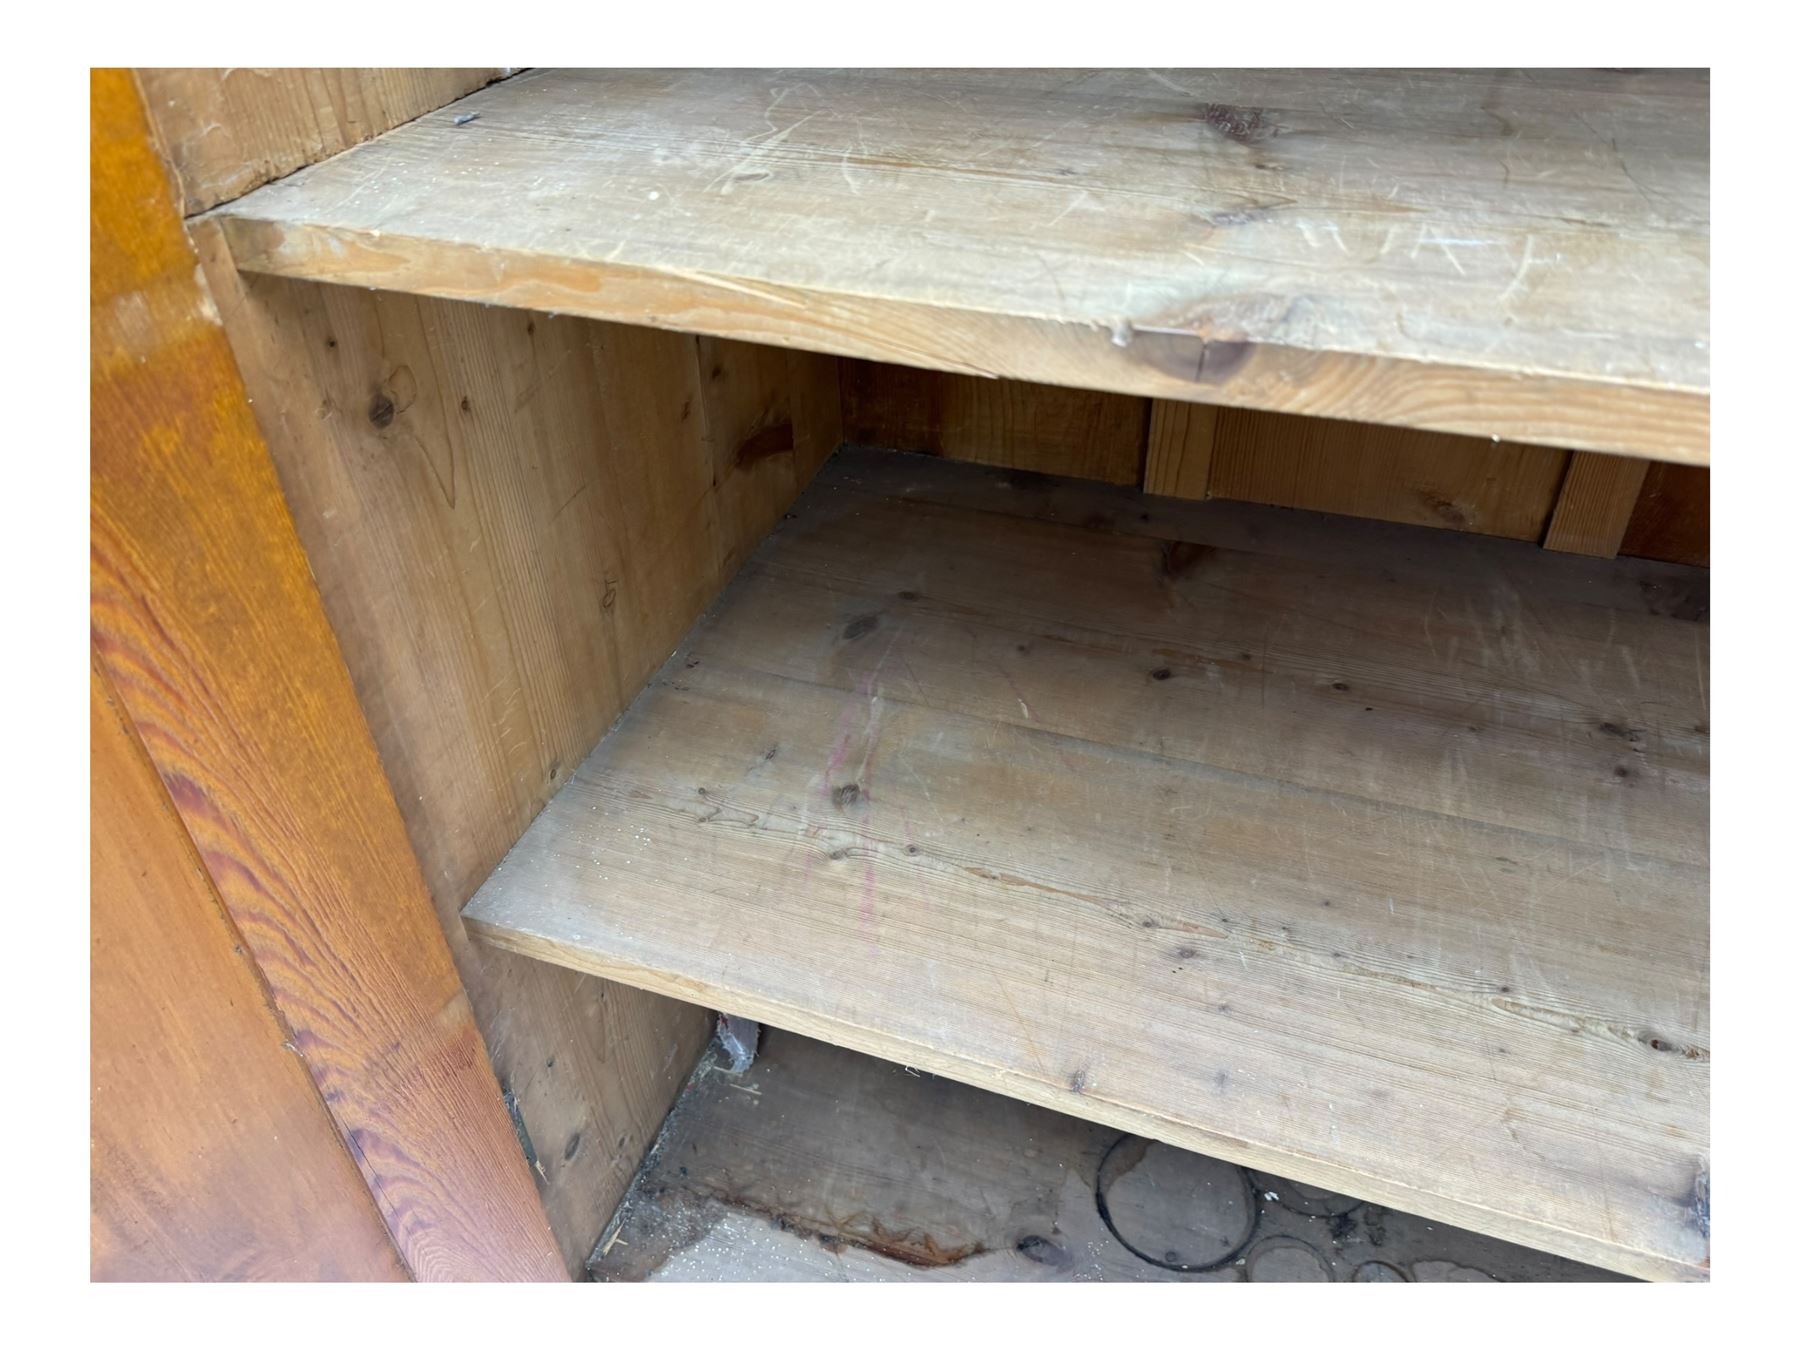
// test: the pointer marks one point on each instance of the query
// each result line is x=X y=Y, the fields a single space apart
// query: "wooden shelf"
x=1372 y=856
x=1515 y=254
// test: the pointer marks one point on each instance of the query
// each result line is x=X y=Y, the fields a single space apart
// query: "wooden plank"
x=1179 y=459
x=1673 y=516
x=1459 y=251
x=226 y=131
x=1385 y=473
x=770 y=418
x=207 y=623
x=212 y=1156
x=1082 y=433
x=513 y=518
x=822 y=1164
x=1377 y=854
x=1303 y=729
x=1595 y=505
x=1194 y=451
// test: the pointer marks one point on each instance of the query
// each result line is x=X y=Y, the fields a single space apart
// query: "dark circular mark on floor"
x=1176 y=1210
x=1040 y=1250
x=1286 y=1260
x=1377 y=1272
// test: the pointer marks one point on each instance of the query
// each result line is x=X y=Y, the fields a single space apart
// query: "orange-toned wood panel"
x=213 y=1157
x=1598 y=496
x=227 y=130
x=1196 y=451
x=208 y=626
x=1178 y=462
x=1385 y=473
x=1041 y=427
x=1673 y=517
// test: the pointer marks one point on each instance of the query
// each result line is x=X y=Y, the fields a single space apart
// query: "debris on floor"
x=817 y=1163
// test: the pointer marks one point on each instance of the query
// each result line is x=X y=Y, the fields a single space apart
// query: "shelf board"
x=1371 y=856
x=1516 y=254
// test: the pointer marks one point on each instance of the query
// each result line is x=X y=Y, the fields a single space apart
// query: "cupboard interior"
x=1453 y=782
x=820 y=1164
x=515 y=517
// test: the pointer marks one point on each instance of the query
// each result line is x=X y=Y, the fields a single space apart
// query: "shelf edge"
x=1652 y=422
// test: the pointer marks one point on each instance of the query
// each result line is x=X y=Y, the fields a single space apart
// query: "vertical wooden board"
x=513 y=519
x=212 y=1156
x=1385 y=473
x=771 y=418
x=1178 y=462
x=1044 y=428
x=226 y=131
x=208 y=625
x=1595 y=506
x=1672 y=520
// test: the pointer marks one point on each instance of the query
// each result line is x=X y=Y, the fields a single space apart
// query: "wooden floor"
x=823 y=1164
x=1371 y=856
x=1522 y=254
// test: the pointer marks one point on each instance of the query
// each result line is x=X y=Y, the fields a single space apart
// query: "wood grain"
x=513 y=518
x=1595 y=505
x=1673 y=516
x=1521 y=254
x=1178 y=461
x=1378 y=844
x=1194 y=451
x=770 y=418
x=208 y=626
x=213 y=1157
x=1083 y=433
x=1385 y=473
x=226 y=131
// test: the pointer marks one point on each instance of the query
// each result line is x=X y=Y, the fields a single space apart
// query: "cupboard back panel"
x=1237 y=454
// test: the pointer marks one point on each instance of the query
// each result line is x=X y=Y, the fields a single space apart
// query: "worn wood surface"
x=1385 y=473
x=1313 y=847
x=213 y=1157
x=207 y=623
x=821 y=1164
x=1512 y=253
x=1083 y=433
x=513 y=519
x=1595 y=505
x=1673 y=516
x=225 y=131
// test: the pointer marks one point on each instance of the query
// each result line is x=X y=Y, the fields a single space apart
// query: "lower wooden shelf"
x=1369 y=855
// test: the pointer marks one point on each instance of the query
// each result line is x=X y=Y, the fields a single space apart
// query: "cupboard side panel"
x=513 y=519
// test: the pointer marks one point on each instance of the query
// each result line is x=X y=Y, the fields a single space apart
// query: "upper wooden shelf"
x=1372 y=856
x=1517 y=254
